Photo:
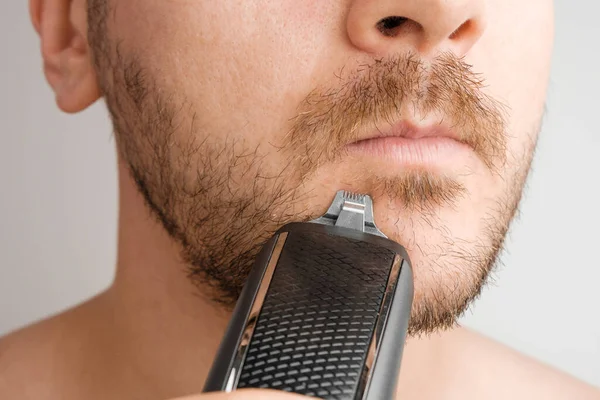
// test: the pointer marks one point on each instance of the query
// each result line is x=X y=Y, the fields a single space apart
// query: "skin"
x=228 y=156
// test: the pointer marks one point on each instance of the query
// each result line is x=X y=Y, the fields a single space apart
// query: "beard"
x=221 y=199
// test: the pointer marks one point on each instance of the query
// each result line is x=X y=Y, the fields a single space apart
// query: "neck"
x=165 y=331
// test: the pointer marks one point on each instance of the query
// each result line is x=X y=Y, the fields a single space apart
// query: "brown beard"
x=219 y=201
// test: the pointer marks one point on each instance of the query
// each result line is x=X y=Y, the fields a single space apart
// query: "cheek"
x=514 y=58
x=242 y=66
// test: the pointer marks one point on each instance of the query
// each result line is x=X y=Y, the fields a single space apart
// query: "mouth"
x=408 y=145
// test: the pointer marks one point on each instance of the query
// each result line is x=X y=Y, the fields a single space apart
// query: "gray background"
x=58 y=203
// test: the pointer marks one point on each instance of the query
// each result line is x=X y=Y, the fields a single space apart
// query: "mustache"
x=329 y=118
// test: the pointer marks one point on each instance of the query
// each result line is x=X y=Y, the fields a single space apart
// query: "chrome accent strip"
x=386 y=302
x=236 y=368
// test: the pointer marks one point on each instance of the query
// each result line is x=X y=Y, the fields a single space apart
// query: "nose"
x=381 y=27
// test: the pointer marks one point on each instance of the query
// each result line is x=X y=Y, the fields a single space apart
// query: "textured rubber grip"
x=317 y=322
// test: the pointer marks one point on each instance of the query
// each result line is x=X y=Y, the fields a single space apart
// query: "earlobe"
x=34 y=13
x=68 y=66
x=77 y=88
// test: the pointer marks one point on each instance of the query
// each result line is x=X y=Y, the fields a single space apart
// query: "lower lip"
x=423 y=151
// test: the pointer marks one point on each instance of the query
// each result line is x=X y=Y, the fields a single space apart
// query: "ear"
x=62 y=26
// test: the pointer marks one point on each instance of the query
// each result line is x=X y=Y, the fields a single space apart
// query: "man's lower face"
x=222 y=187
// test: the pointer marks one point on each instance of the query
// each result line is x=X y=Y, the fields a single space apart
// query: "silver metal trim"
x=236 y=369
x=363 y=385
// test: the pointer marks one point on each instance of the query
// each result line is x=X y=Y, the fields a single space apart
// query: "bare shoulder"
x=38 y=361
x=26 y=359
x=495 y=371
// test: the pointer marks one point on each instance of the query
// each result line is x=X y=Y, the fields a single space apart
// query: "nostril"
x=466 y=29
x=394 y=25
x=389 y=26
x=391 y=22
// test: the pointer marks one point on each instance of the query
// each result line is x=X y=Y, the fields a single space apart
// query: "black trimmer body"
x=324 y=312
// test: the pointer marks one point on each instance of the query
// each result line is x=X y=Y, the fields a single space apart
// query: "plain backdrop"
x=58 y=203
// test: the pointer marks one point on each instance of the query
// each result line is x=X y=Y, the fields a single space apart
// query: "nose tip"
x=424 y=26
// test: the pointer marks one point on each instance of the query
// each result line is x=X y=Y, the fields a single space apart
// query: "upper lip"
x=409 y=130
